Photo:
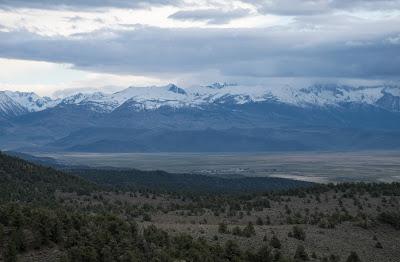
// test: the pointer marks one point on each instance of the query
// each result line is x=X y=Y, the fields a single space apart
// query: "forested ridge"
x=131 y=180
x=23 y=181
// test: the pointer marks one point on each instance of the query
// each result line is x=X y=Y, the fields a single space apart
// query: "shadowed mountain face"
x=316 y=118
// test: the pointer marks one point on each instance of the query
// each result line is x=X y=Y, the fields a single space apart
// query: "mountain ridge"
x=220 y=117
x=155 y=97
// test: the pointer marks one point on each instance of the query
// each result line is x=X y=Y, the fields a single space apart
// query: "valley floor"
x=320 y=167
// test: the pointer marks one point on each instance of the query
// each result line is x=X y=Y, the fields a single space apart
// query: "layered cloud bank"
x=245 y=41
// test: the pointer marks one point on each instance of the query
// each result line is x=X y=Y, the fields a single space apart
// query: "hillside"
x=131 y=217
x=133 y=180
x=21 y=180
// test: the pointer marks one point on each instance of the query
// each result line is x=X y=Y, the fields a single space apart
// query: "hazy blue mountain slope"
x=259 y=114
x=234 y=139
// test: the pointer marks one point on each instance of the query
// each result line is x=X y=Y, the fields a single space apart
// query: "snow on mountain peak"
x=218 y=85
x=153 y=97
x=30 y=101
x=83 y=97
x=393 y=90
x=8 y=107
x=175 y=89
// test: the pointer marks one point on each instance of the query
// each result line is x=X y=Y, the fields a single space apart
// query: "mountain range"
x=217 y=117
x=155 y=97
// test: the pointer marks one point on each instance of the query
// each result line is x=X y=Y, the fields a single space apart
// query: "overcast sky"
x=52 y=45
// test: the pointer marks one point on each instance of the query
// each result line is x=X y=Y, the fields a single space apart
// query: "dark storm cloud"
x=238 y=52
x=77 y=4
x=211 y=16
x=366 y=4
x=313 y=7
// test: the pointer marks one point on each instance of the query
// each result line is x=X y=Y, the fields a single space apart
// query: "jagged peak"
x=392 y=90
x=83 y=96
x=332 y=88
x=172 y=95
x=218 y=85
x=175 y=89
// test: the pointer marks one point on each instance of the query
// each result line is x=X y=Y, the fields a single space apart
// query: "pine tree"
x=301 y=254
x=10 y=253
x=275 y=243
x=264 y=254
x=222 y=228
x=237 y=231
x=232 y=250
x=249 y=230
x=1 y=234
x=353 y=257
x=18 y=238
x=298 y=233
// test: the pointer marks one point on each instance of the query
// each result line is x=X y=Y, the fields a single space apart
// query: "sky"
x=54 y=47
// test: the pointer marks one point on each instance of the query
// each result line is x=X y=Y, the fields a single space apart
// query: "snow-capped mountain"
x=18 y=103
x=154 y=97
x=8 y=107
x=214 y=117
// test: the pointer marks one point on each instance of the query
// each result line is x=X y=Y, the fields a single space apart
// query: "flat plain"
x=323 y=167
